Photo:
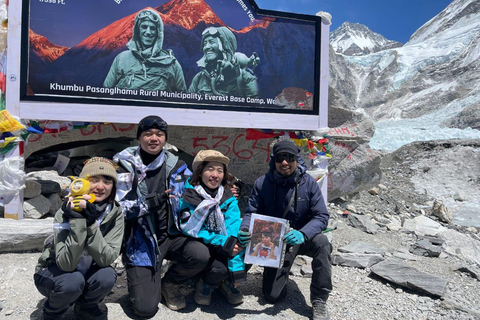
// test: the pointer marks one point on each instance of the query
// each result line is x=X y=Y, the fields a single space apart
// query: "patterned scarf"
x=125 y=180
x=207 y=212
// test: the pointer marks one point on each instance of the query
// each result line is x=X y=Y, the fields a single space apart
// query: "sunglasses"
x=211 y=31
x=285 y=156
x=152 y=123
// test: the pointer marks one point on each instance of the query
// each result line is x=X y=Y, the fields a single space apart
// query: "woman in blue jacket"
x=209 y=211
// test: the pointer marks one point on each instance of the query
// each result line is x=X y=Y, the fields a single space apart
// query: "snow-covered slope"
x=354 y=39
x=436 y=70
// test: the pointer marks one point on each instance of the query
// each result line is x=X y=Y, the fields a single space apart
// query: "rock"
x=356 y=260
x=50 y=186
x=363 y=223
x=56 y=203
x=461 y=246
x=422 y=225
x=36 y=208
x=32 y=189
x=404 y=254
x=374 y=191
x=51 y=175
x=24 y=235
x=306 y=271
x=400 y=273
x=440 y=211
x=459 y=196
x=468 y=117
x=471 y=270
x=361 y=247
x=425 y=248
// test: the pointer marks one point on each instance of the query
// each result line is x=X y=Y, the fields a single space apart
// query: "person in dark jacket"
x=288 y=191
x=75 y=266
x=149 y=193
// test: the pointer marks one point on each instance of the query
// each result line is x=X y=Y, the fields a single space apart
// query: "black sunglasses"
x=150 y=123
x=285 y=156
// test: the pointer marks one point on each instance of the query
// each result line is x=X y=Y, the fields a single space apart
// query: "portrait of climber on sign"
x=224 y=71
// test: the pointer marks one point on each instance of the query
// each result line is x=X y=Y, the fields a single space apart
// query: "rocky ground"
x=358 y=293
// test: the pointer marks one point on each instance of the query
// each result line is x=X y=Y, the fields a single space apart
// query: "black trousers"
x=62 y=289
x=190 y=256
x=217 y=268
x=319 y=248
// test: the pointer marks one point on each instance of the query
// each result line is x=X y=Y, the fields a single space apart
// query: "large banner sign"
x=222 y=55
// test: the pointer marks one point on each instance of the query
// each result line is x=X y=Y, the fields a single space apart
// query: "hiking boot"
x=96 y=312
x=174 y=297
x=203 y=293
x=320 y=311
x=188 y=286
x=233 y=295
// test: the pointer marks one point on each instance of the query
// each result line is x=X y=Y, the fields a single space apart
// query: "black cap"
x=150 y=122
x=285 y=146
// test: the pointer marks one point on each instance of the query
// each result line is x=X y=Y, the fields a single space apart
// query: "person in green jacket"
x=145 y=65
x=209 y=211
x=75 y=266
x=224 y=71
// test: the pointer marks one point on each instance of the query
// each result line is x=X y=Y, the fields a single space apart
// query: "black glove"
x=68 y=213
x=90 y=213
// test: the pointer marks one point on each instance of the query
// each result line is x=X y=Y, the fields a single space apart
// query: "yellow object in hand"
x=78 y=188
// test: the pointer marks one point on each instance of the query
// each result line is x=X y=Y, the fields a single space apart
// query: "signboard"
x=221 y=63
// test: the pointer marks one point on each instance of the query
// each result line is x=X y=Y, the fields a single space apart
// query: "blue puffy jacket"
x=225 y=243
x=271 y=194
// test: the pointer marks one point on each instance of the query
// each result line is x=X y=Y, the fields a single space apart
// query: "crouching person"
x=209 y=211
x=75 y=268
x=288 y=191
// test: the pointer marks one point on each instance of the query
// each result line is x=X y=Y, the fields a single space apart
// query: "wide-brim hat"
x=209 y=155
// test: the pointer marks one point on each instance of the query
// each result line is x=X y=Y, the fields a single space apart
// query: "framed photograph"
x=118 y=60
x=266 y=247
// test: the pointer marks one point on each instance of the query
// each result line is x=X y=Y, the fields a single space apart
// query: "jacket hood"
x=147 y=15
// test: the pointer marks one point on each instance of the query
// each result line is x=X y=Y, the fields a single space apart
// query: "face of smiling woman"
x=212 y=174
x=101 y=187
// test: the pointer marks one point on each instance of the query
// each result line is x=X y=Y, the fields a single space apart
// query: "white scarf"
x=207 y=212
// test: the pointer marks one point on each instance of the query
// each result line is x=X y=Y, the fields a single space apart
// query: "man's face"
x=152 y=141
x=148 y=33
x=210 y=48
x=286 y=163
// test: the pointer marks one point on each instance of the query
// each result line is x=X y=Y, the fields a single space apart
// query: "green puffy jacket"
x=72 y=238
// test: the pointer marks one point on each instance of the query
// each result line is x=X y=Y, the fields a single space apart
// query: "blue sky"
x=394 y=19
x=69 y=24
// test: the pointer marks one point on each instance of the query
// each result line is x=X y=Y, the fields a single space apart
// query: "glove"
x=244 y=237
x=68 y=213
x=90 y=213
x=294 y=237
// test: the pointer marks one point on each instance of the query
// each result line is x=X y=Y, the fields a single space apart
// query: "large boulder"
x=24 y=235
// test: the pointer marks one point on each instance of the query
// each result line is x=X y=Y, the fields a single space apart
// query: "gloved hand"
x=294 y=237
x=244 y=237
x=90 y=213
x=68 y=213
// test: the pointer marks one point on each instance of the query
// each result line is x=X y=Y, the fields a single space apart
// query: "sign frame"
x=93 y=110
